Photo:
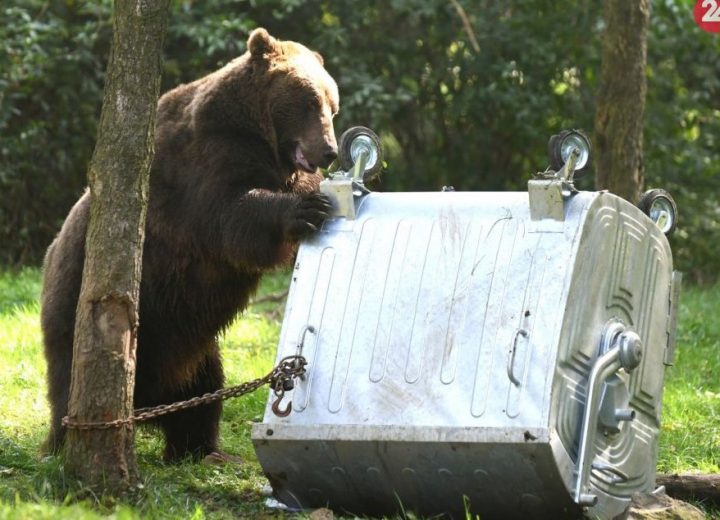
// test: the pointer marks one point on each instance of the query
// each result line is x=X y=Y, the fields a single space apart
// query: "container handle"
x=511 y=357
x=618 y=474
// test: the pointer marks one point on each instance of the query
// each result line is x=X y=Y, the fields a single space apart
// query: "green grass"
x=31 y=487
x=18 y=288
x=690 y=435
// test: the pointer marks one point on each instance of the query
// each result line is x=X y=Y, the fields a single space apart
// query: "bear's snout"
x=309 y=157
x=330 y=155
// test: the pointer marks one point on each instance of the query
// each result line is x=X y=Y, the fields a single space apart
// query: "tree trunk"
x=103 y=371
x=621 y=98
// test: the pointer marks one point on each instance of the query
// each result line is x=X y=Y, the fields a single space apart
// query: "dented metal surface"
x=453 y=335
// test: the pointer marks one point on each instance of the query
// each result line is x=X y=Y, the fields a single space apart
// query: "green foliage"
x=52 y=62
x=682 y=132
x=448 y=113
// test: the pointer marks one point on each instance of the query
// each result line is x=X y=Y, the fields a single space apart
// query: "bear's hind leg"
x=59 y=387
x=195 y=431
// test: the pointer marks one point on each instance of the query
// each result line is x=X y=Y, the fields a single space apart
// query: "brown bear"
x=233 y=188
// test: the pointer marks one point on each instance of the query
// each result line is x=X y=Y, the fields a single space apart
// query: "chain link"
x=280 y=379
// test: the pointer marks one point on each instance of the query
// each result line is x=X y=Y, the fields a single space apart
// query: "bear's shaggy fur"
x=233 y=188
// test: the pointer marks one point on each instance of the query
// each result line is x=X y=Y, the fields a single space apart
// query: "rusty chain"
x=281 y=379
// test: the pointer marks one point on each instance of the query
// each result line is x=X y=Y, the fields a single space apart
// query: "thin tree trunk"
x=103 y=372
x=621 y=98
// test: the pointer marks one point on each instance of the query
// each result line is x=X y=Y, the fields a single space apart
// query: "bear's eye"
x=313 y=103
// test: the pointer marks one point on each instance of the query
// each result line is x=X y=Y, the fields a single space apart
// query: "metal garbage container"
x=500 y=354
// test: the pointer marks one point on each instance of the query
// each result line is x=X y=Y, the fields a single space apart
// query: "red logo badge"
x=707 y=15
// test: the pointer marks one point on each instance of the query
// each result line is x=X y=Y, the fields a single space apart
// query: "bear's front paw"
x=307 y=215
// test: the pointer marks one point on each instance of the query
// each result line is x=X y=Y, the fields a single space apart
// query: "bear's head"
x=302 y=101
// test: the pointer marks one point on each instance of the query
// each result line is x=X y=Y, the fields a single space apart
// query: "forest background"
x=468 y=101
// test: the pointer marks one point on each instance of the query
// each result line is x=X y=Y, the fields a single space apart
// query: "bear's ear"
x=319 y=57
x=260 y=43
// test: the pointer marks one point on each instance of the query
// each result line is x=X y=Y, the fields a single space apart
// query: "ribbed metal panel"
x=453 y=341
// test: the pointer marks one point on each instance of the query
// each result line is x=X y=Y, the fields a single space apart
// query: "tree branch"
x=687 y=486
x=466 y=25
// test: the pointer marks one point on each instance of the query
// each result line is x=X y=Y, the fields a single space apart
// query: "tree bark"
x=103 y=372
x=692 y=486
x=621 y=98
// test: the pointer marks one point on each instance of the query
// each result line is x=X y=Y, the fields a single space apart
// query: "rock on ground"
x=650 y=506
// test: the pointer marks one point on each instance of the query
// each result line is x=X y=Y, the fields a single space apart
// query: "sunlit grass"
x=18 y=288
x=690 y=435
x=32 y=488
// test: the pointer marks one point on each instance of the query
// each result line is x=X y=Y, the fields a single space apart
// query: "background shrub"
x=449 y=113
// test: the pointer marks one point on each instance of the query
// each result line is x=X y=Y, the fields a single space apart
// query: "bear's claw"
x=307 y=215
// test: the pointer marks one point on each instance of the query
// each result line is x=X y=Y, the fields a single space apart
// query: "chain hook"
x=279 y=386
x=287 y=370
x=279 y=390
x=276 y=406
